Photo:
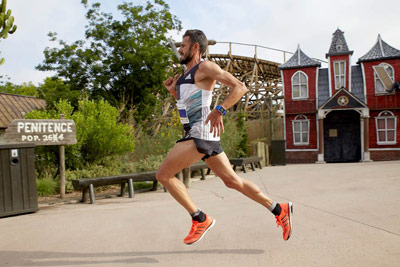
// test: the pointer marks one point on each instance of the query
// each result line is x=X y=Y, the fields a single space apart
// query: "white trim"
x=316 y=87
x=364 y=83
x=350 y=95
x=316 y=106
x=300 y=84
x=284 y=108
x=350 y=73
x=362 y=136
x=301 y=143
x=385 y=149
x=329 y=76
x=299 y=150
x=340 y=74
x=381 y=116
x=376 y=76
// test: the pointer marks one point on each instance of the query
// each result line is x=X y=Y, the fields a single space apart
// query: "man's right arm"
x=170 y=84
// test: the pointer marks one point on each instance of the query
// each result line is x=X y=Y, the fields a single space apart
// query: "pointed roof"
x=299 y=60
x=343 y=99
x=381 y=50
x=338 y=45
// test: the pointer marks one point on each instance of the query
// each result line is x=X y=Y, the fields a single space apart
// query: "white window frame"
x=340 y=76
x=385 y=115
x=297 y=82
x=299 y=119
x=377 y=80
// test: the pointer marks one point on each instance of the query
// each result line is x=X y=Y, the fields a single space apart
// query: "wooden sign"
x=42 y=132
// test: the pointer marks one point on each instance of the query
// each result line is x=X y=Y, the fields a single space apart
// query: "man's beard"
x=186 y=58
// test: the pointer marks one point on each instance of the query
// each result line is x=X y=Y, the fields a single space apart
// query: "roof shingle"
x=338 y=45
x=299 y=60
x=381 y=50
x=15 y=106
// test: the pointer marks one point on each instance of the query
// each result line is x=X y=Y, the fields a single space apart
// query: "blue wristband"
x=221 y=109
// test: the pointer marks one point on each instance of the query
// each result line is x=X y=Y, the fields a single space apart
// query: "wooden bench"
x=88 y=184
x=243 y=161
x=200 y=166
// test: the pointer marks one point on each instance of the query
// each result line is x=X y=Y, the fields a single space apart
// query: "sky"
x=282 y=24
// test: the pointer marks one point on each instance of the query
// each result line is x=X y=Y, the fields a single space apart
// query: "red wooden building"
x=345 y=112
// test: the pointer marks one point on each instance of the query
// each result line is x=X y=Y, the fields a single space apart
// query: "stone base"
x=366 y=157
x=320 y=159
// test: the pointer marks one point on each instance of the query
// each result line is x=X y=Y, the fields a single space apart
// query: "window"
x=301 y=130
x=384 y=77
x=299 y=85
x=339 y=68
x=386 y=128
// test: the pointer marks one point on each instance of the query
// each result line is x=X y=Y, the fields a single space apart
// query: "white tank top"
x=197 y=102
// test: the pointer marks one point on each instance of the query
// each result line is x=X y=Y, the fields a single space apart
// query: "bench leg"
x=244 y=168
x=91 y=194
x=234 y=167
x=122 y=190
x=208 y=171
x=203 y=177
x=179 y=175
x=131 y=189
x=186 y=177
x=253 y=167
x=155 y=185
x=259 y=165
x=84 y=195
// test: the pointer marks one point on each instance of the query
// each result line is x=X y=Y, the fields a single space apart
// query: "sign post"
x=62 y=166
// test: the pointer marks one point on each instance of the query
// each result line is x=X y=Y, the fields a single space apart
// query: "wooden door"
x=342 y=140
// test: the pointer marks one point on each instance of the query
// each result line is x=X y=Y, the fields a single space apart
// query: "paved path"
x=344 y=215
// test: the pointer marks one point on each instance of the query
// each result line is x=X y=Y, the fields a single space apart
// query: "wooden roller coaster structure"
x=262 y=78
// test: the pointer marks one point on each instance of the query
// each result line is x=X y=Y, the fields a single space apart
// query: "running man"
x=203 y=126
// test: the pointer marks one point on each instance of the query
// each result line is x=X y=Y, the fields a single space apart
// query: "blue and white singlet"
x=197 y=102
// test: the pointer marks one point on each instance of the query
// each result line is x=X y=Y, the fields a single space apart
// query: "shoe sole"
x=205 y=232
x=290 y=219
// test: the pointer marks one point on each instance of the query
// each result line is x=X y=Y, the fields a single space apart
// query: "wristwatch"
x=221 y=109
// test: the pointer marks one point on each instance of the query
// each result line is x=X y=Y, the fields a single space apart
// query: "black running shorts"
x=209 y=148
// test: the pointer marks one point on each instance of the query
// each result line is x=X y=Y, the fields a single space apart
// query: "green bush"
x=150 y=144
x=92 y=171
x=242 y=148
x=150 y=163
x=99 y=136
x=47 y=186
x=231 y=137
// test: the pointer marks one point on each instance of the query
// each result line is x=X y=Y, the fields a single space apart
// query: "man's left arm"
x=237 y=90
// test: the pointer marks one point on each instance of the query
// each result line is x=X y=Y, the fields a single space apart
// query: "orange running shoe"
x=199 y=230
x=285 y=219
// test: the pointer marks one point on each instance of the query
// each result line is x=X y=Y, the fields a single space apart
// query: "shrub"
x=92 y=171
x=231 y=138
x=242 y=148
x=99 y=135
x=150 y=163
x=148 y=144
x=47 y=186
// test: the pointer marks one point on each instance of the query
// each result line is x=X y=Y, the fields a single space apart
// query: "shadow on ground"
x=42 y=258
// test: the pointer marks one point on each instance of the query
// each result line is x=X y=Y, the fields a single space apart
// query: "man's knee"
x=162 y=177
x=232 y=182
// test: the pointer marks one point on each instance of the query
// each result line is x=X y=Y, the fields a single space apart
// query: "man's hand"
x=170 y=83
x=216 y=122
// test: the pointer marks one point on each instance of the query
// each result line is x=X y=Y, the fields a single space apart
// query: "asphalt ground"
x=344 y=215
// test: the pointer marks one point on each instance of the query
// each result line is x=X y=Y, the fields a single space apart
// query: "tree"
x=52 y=90
x=28 y=89
x=123 y=61
x=6 y=23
